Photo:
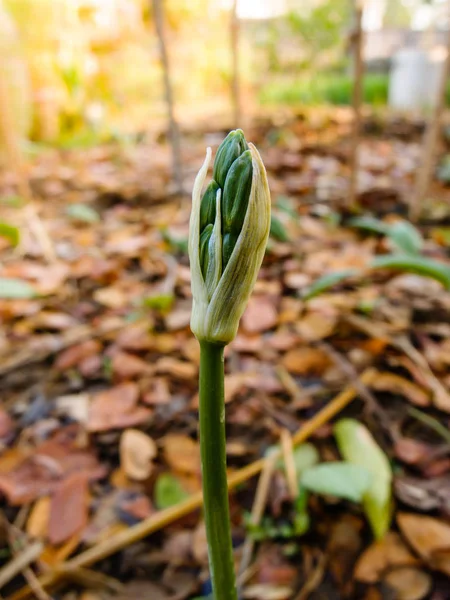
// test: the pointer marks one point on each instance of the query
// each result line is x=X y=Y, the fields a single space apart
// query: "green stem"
x=214 y=472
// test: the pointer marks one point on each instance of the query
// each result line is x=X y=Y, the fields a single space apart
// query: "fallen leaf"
x=37 y=523
x=408 y=583
x=383 y=554
x=137 y=450
x=117 y=408
x=178 y=369
x=182 y=453
x=6 y=424
x=71 y=357
x=306 y=361
x=316 y=326
x=428 y=537
x=68 y=509
x=127 y=366
x=260 y=315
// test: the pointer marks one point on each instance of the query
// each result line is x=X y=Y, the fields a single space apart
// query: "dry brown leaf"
x=179 y=369
x=390 y=382
x=260 y=314
x=128 y=366
x=408 y=583
x=137 y=450
x=182 y=453
x=71 y=357
x=428 y=537
x=37 y=523
x=382 y=555
x=306 y=361
x=316 y=326
x=6 y=424
x=68 y=509
x=117 y=408
x=199 y=544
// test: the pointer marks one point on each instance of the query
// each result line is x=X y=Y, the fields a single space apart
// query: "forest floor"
x=99 y=458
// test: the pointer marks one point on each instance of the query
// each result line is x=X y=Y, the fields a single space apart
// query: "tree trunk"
x=431 y=138
x=358 y=69
x=174 y=131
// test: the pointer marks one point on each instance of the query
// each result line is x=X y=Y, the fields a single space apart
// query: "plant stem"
x=214 y=472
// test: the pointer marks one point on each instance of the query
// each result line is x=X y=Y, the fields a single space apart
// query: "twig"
x=430 y=422
x=428 y=159
x=259 y=506
x=289 y=462
x=173 y=125
x=20 y=562
x=357 y=39
x=235 y=83
x=350 y=372
x=164 y=517
x=313 y=580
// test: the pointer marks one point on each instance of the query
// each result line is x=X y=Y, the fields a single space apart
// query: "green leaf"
x=82 y=212
x=340 y=479
x=168 y=491
x=15 y=289
x=415 y=264
x=305 y=456
x=326 y=282
x=370 y=224
x=160 y=302
x=358 y=447
x=10 y=232
x=405 y=237
x=278 y=230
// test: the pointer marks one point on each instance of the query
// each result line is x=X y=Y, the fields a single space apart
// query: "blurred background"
x=342 y=359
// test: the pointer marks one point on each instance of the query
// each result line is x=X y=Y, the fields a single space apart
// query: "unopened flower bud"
x=228 y=234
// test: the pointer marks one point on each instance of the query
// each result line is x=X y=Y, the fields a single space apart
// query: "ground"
x=99 y=463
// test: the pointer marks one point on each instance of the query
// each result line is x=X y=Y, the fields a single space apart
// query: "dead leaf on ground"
x=388 y=552
x=137 y=450
x=316 y=326
x=182 y=453
x=117 y=408
x=127 y=366
x=260 y=314
x=429 y=537
x=306 y=361
x=408 y=583
x=37 y=523
x=71 y=357
x=68 y=509
x=6 y=424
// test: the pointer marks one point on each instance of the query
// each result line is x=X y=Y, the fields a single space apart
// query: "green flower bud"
x=236 y=193
x=205 y=238
x=226 y=255
x=228 y=244
x=208 y=206
x=229 y=150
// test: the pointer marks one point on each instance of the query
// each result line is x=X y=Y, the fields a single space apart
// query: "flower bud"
x=236 y=193
x=208 y=206
x=228 y=233
x=229 y=150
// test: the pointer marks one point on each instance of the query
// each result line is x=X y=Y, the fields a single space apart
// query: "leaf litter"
x=98 y=424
